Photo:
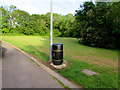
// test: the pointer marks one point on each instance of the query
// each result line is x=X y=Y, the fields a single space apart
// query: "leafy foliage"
x=15 y=20
x=93 y=24
x=98 y=24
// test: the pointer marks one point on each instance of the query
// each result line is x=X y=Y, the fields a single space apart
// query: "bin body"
x=57 y=53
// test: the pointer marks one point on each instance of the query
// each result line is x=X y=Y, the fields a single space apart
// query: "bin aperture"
x=57 y=53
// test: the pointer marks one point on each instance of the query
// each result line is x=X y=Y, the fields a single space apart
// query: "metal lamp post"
x=57 y=58
x=51 y=30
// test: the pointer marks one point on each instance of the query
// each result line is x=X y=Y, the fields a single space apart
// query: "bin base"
x=63 y=65
x=56 y=62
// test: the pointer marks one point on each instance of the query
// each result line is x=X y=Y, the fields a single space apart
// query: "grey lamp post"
x=51 y=30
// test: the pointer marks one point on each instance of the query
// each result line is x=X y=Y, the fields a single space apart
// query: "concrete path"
x=19 y=72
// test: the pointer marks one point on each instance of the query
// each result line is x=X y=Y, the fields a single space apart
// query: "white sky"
x=43 y=6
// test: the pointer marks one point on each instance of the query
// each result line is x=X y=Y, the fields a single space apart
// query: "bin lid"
x=57 y=44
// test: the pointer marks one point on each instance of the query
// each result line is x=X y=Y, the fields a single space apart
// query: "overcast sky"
x=43 y=6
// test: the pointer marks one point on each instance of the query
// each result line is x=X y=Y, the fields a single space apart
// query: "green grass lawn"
x=79 y=57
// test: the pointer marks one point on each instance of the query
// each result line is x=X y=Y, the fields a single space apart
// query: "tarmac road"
x=19 y=72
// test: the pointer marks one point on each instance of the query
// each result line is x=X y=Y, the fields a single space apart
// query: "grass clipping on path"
x=79 y=57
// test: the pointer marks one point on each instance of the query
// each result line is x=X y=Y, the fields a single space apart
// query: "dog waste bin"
x=57 y=53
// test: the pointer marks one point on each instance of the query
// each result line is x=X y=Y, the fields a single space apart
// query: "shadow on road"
x=2 y=51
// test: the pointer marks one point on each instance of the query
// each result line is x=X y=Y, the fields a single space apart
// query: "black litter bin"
x=57 y=53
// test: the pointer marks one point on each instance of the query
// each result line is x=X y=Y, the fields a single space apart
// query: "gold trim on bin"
x=57 y=50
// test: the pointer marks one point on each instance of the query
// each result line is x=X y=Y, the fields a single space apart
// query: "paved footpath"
x=19 y=72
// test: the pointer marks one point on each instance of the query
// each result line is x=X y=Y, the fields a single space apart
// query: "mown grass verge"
x=79 y=57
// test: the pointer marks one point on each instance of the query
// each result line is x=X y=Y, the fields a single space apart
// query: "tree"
x=11 y=18
x=97 y=24
x=4 y=19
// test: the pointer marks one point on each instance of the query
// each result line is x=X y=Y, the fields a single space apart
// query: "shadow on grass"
x=36 y=52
